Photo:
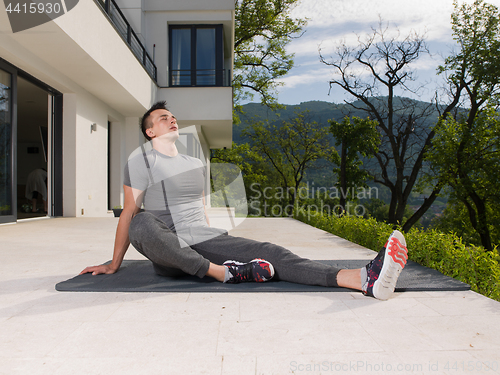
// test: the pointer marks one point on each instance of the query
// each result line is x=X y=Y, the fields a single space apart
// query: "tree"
x=455 y=219
x=373 y=73
x=226 y=164
x=356 y=137
x=244 y=158
x=263 y=29
x=291 y=148
x=466 y=156
x=471 y=73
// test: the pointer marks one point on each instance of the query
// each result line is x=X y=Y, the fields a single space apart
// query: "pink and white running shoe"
x=380 y=275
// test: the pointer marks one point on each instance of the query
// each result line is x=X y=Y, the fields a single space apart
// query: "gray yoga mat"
x=139 y=276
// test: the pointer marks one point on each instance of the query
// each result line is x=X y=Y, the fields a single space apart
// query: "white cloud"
x=333 y=20
x=327 y=40
x=312 y=76
x=323 y=13
x=313 y=39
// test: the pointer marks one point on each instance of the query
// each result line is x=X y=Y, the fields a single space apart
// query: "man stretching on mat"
x=174 y=231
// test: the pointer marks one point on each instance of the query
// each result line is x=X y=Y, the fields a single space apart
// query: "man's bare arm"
x=131 y=206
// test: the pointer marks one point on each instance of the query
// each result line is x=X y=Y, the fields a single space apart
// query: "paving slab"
x=48 y=332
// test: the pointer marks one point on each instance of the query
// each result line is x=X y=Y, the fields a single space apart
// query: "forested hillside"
x=320 y=112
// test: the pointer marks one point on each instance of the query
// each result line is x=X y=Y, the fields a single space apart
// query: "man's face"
x=164 y=125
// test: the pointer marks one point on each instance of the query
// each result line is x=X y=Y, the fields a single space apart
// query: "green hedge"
x=431 y=248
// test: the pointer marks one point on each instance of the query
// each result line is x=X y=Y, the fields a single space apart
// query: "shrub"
x=444 y=252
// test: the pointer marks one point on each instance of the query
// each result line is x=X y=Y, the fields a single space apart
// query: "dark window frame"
x=5 y=66
x=56 y=208
x=57 y=140
x=219 y=54
x=109 y=167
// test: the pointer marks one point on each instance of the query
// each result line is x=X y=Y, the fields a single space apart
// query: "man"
x=174 y=232
x=36 y=187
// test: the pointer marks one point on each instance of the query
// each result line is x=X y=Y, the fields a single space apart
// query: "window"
x=196 y=55
x=7 y=196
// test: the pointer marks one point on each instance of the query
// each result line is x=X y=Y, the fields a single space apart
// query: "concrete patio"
x=48 y=332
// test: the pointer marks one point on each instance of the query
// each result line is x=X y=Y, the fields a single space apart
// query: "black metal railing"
x=200 y=77
x=124 y=29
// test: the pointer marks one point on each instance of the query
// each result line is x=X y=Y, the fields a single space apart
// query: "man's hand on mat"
x=97 y=270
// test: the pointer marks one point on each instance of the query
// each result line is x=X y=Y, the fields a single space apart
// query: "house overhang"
x=81 y=48
x=209 y=107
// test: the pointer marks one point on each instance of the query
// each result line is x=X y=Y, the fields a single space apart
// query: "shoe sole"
x=395 y=258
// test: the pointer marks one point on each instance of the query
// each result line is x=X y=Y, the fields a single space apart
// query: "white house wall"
x=133 y=10
x=85 y=173
x=209 y=107
x=191 y=5
x=69 y=154
x=82 y=56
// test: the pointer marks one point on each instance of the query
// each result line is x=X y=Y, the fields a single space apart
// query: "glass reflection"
x=5 y=144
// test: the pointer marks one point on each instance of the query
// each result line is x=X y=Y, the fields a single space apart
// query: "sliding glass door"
x=7 y=142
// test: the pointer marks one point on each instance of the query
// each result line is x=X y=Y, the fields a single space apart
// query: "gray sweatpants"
x=152 y=238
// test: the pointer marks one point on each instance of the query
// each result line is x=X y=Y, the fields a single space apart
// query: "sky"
x=331 y=21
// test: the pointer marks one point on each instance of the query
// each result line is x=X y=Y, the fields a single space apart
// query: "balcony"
x=200 y=78
x=124 y=29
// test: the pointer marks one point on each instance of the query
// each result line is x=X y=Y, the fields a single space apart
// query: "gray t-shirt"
x=173 y=187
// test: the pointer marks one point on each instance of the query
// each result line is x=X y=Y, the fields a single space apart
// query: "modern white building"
x=72 y=91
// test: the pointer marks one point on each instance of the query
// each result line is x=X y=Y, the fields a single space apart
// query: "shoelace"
x=243 y=272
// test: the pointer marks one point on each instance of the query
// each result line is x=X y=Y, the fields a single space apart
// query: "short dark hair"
x=145 y=123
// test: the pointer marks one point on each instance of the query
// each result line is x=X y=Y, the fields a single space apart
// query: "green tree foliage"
x=247 y=161
x=356 y=137
x=291 y=148
x=471 y=137
x=263 y=29
x=244 y=158
x=466 y=156
x=455 y=219
x=471 y=72
x=475 y=67
x=379 y=210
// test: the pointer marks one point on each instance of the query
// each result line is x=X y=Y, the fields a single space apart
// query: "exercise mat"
x=139 y=276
